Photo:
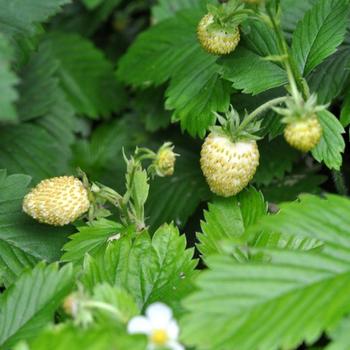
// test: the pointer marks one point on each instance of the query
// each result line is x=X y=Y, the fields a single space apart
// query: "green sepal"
x=228 y=16
x=298 y=109
x=234 y=128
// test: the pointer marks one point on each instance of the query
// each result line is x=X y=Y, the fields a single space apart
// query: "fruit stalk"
x=294 y=76
x=261 y=109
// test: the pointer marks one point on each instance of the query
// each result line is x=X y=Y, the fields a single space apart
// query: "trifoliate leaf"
x=30 y=303
x=319 y=33
x=332 y=145
x=157 y=269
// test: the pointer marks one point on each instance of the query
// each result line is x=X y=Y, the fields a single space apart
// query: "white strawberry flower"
x=160 y=327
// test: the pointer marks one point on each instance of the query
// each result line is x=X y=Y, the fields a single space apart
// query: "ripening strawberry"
x=303 y=135
x=57 y=201
x=228 y=166
x=217 y=41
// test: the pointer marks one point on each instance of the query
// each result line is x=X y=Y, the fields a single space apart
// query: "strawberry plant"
x=174 y=174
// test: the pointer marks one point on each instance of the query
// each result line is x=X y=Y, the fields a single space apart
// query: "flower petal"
x=174 y=345
x=173 y=330
x=159 y=315
x=139 y=324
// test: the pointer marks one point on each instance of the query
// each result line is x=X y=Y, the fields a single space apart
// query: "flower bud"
x=165 y=160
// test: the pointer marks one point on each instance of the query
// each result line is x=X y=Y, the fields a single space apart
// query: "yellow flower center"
x=159 y=337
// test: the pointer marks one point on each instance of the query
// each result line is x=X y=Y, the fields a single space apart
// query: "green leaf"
x=38 y=88
x=260 y=38
x=271 y=300
x=122 y=301
x=254 y=303
x=19 y=144
x=8 y=79
x=160 y=269
x=165 y=9
x=319 y=33
x=291 y=186
x=227 y=219
x=329 y=78
x=150 y=106
x=22 y=240
x=48 y=138
x=90 y=85
x=324 y=220
x=251 y=73
x=20 y=16
x=345 y=112
x=30 y=303
x=67 y=336
x=276 y=159
x=195 y=90
x=175 y=198
x=12 y=262
x=292 y=13
x=91 y=4
x=139 y=191
x=91 y=239
x=102 y=154
x=155 y=50
x=340 y=336
x=332 y=145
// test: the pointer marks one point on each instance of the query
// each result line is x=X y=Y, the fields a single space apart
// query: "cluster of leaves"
x=83 y=81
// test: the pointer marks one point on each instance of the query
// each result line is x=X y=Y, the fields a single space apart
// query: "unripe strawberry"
x=217 y=41
x=57 y=201
x=304 y=135
x=228 y=166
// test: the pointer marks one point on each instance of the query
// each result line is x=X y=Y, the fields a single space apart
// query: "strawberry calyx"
x=227 y=17
x=231 y=126
x=299 y=109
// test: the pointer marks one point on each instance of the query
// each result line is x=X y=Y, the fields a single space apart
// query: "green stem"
x=294 y=76
x=261 y=109
x=103 y=306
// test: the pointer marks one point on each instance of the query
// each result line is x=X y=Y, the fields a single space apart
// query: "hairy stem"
x=266 y=106
x=294 y=76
